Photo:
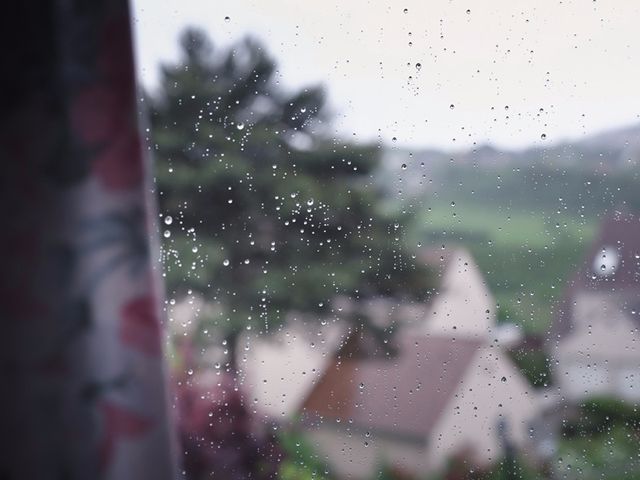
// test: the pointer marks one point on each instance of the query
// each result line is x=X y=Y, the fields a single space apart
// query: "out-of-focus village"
x=424 y=315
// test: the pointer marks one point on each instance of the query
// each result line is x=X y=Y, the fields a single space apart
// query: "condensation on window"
x=399 y=240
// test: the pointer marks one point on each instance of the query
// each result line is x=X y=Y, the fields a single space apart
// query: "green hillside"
x=525 y=256
x=527 y=227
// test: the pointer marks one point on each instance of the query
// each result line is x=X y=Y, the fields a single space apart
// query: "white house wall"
x=464 y=304
x=278 y=372
x=470 y=419
x=601 y=354
x=355 y=455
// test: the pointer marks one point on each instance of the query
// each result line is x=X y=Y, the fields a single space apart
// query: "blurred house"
x=462 y=304
x=595 y=339
x=279 y=370
x=415 y=407
x=441 y=386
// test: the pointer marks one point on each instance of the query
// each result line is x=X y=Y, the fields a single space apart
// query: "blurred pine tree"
x=266 y=212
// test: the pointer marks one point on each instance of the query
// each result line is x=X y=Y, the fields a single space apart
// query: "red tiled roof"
x=403 y=394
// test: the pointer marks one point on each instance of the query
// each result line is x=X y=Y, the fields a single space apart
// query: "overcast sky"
x=513 y=70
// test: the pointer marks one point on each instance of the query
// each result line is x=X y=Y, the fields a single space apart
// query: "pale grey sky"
x=578 y=61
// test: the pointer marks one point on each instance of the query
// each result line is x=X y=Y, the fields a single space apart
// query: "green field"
x=526 y=255
x=527 y=223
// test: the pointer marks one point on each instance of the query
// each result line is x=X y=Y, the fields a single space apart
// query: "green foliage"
x=505 y=469
x=601 y=414
x=534 y=364
x=601 y=440
x=270 y=215
x=301 y=462
x=512 y=469
x=611 y=454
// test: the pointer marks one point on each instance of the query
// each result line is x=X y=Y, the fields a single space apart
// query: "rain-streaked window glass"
x=400 y=240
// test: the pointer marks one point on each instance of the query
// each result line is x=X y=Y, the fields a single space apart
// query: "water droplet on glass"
x=240 y=126
x=310 y=202
x=226 y=262
x=168 y=220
